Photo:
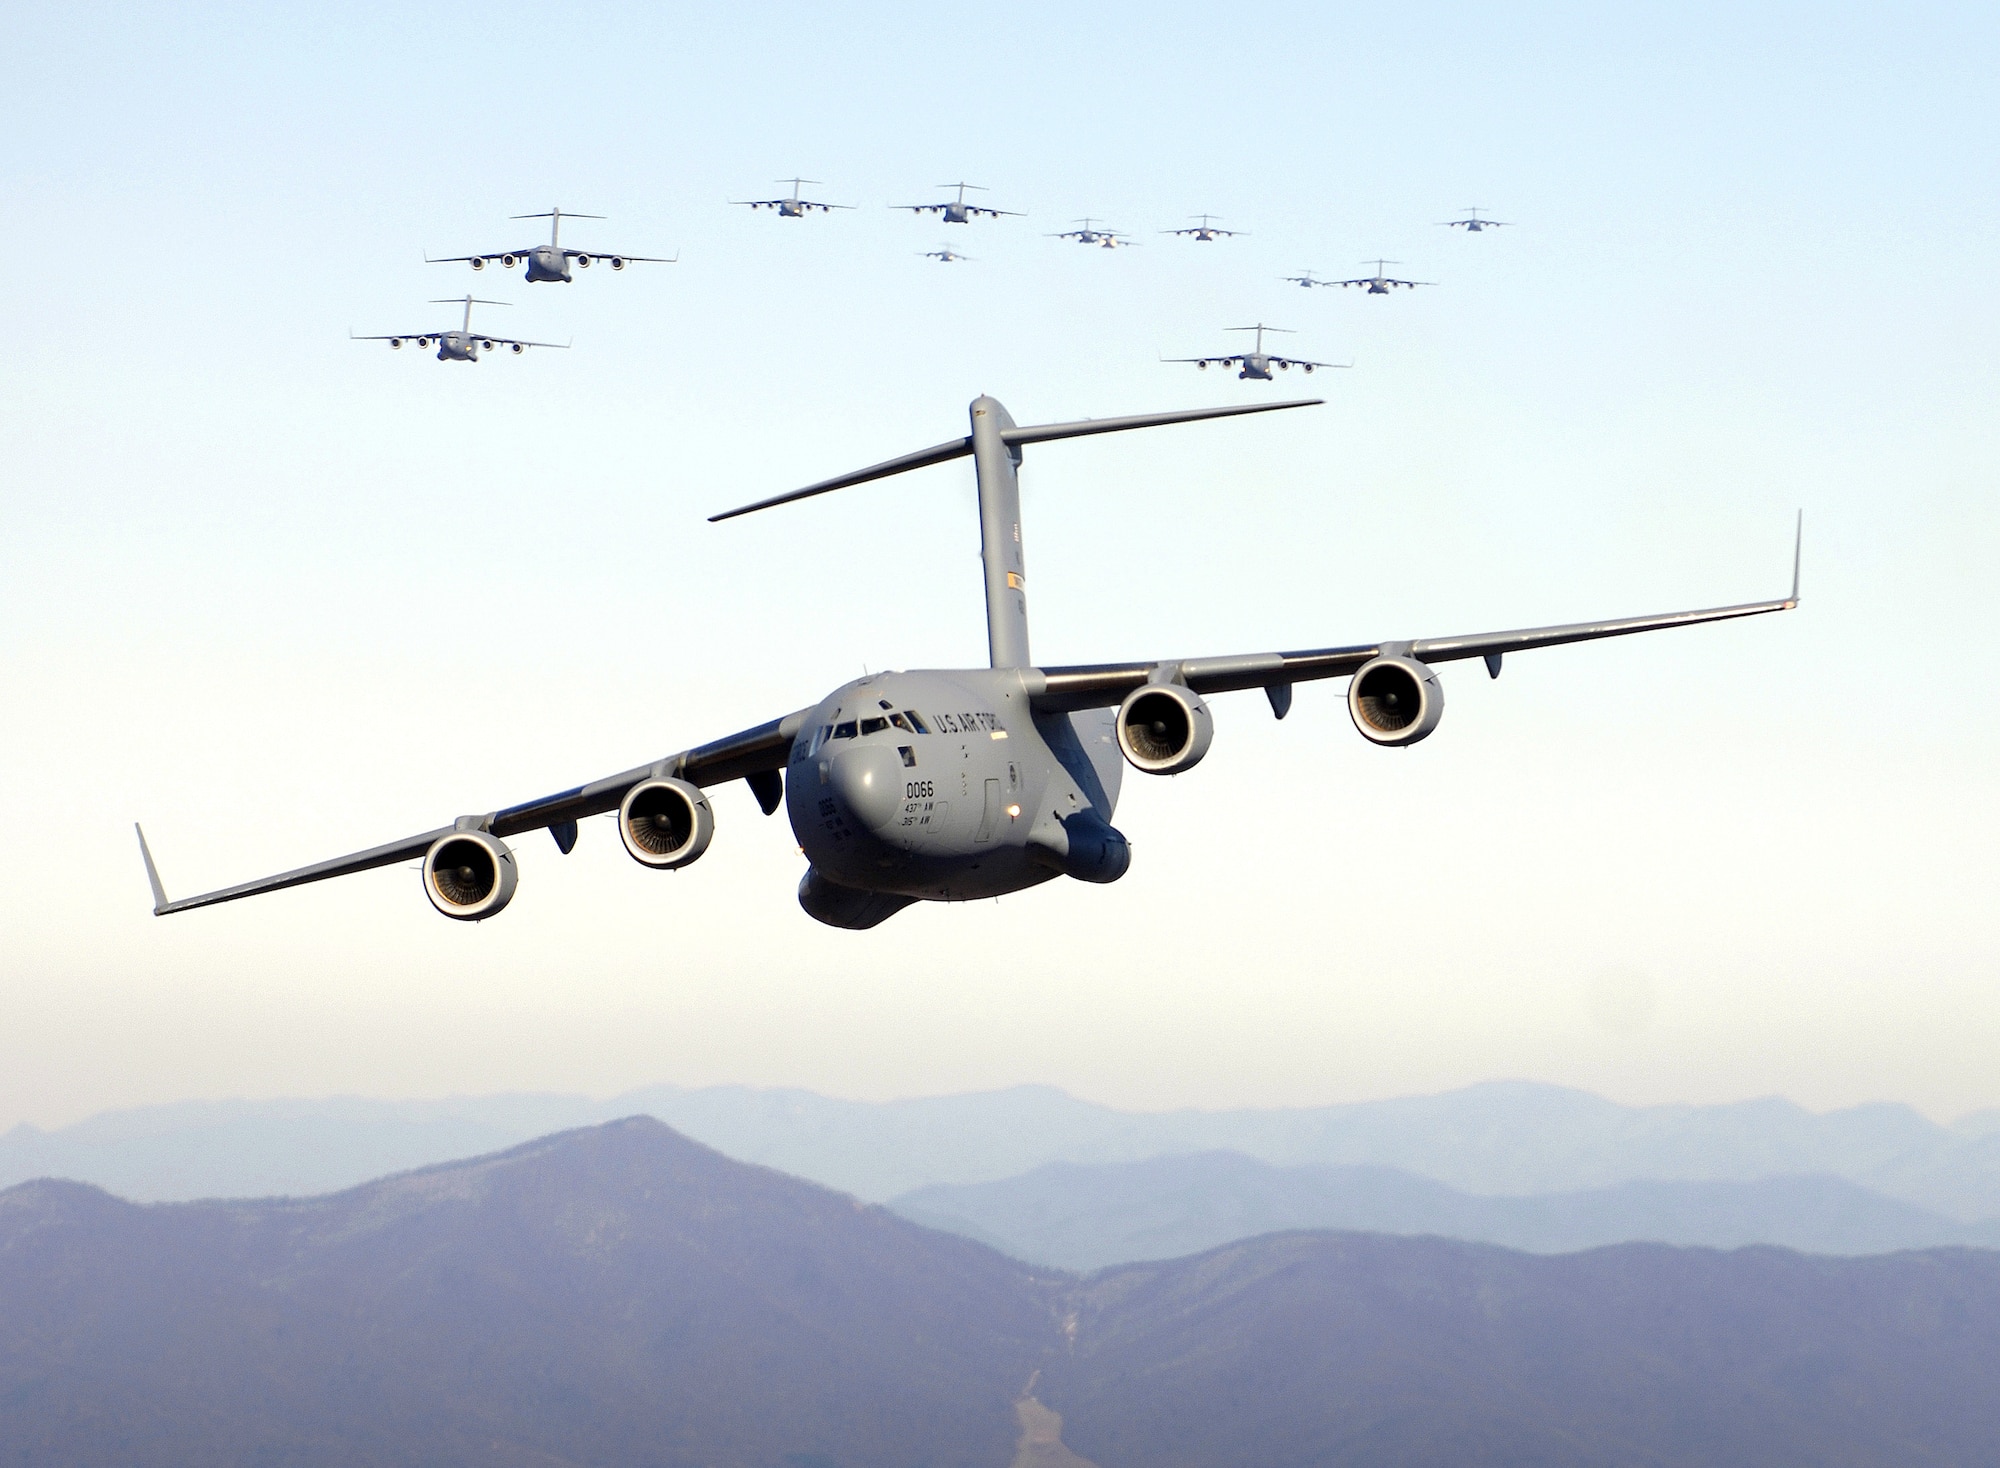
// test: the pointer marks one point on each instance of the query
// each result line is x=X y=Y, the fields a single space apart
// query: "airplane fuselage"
x=957 y=214
x=1257 y=366
x=791 y=209
x=548 y=262
x=946 y=786
x=457 y=346
x=1378 y=287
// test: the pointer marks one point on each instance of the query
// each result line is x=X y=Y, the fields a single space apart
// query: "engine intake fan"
x=665 y=823
x=1164 y=728
x=1395 y=700
x=469 y=875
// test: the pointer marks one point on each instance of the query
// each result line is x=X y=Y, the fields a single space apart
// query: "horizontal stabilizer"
x=958 y=448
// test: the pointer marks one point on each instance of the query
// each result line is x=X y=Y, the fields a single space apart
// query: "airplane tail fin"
x=959 y=448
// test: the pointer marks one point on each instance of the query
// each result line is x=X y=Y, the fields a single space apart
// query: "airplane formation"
x=554 y=261
x=954 y=784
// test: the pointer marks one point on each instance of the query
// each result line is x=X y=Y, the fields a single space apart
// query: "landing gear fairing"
x=959 y=783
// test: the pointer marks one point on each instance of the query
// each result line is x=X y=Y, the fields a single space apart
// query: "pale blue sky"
x=282 y=595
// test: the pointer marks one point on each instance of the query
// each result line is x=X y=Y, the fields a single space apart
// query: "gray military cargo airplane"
x=957 y=211
x=464 y=344
x=553 y=260
x=793 y=207
x=1472 y=223
x=1090 y=234
x=1308 y=280
x=1378 y=284
x=1204 y=231
x=961 y=783
x=944 y=253
x=1257 y=364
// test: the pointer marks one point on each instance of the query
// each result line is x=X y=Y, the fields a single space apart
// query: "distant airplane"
x=1256 y=364
x=1106 y=239
x=1204 y=231
x=944 y=253
x=957 y=211
x=793 y=207
x=464 y=344
x=952 y=784
x=1378 y=284
x=1308 y=280
x=551 y=261
x=1472 y=223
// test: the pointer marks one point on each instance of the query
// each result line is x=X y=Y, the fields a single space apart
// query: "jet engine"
x=423 y=341
x=1201 y=366
x=485 y=345
x=1395 y=700
x=583 y=262
x=1164 y=728
x=478 y=262
x=517 y=348
x=396 y=343
x=617 y=262
x=665 y=823
x=507 y=261
x=469 y=875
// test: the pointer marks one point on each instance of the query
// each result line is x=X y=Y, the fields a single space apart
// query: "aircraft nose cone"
x=868 y=781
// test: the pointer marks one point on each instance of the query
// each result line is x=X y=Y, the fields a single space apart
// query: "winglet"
x=1798 y=547
x=160 y=903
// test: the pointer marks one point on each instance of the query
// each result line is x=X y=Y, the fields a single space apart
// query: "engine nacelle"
x=583 y=262
x=1395 y=700
x=423 y=341
x=396 y=343
x=1164 y=728
x=665 y=823
x=469 y=875
x=478 y=262
x=485 y=345
x=517 y=348
x=617 y=262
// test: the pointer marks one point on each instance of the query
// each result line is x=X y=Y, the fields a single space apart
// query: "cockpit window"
x=825 y=733
x=899 y=721
x=917 y=722
x=873 y=726
x=844 y=731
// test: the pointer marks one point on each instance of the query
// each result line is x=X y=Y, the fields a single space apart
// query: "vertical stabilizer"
x=997 y=462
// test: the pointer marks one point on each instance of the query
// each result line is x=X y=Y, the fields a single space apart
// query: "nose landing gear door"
x=989 y=816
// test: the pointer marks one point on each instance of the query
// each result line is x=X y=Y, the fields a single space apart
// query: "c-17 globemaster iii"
x=464 y=344
x=553 y=260
x=954 y=784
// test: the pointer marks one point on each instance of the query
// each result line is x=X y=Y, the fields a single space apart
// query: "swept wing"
x=1101 y=685
x=757 y=754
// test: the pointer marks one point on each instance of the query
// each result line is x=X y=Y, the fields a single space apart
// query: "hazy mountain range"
x=1086 y=1216
x=1508 y=1139
x=621 y=1294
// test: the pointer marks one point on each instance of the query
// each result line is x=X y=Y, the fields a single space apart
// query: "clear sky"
x=283 y=596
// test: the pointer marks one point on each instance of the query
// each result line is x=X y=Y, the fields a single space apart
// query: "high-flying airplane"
x=464 y=344
x=957 y=211
x=1378 y=284
x=1090 y=234
x=1256 y=363
x=944 y=253
x=553 y=260
x=953 y=784
x=1203 y=231
x=1472 y=223
x=794 y=207
x=1308 y=280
